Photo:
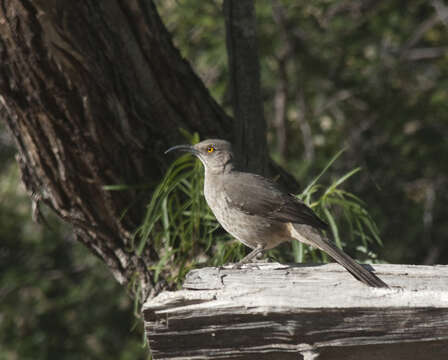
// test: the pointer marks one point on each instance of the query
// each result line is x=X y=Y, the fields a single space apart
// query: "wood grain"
x=273 y=311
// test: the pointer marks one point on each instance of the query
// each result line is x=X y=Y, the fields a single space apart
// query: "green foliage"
x=334 y=202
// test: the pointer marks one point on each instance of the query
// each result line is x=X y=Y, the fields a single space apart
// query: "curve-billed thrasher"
x=258 y=213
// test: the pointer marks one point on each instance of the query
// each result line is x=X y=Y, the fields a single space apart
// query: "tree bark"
x=244 y=70
x=94 y=92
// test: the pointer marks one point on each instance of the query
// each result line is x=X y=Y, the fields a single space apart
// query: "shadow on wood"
x=274 y=311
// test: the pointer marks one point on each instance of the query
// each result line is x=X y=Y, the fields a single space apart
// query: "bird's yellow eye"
x=210 y=149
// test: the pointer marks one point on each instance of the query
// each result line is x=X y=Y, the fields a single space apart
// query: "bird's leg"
x=259 y=249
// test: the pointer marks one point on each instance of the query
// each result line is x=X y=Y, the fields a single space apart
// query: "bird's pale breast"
x=251 y=230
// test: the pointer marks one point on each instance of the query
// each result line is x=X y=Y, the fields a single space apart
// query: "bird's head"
x=215 y=154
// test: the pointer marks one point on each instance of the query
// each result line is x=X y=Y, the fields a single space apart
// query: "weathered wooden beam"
x=274 y=311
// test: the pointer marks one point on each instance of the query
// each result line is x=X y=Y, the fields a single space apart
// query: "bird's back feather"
x=257 y=195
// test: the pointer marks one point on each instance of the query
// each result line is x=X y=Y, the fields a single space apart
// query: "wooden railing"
x=274 y=311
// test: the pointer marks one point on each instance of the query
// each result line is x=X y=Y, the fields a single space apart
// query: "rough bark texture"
x=94 y=92
x=244 y=69
x=274 y=311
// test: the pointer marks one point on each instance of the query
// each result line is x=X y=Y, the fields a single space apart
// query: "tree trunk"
x=94 y=92
x=244 y=69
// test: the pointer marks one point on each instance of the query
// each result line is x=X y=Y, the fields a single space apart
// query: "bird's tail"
x=313 y=237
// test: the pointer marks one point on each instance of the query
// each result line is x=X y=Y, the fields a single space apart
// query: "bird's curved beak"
x=187 y=148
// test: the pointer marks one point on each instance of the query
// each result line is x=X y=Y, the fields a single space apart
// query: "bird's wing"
x=256 y=195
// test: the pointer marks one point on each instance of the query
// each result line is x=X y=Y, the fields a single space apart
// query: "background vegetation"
x=364 y=75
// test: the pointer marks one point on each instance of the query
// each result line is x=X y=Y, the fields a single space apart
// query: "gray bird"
x=258 y=213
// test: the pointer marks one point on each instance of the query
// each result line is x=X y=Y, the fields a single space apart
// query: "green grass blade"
x=333 y=226
x=341 y=180
x=316 y=179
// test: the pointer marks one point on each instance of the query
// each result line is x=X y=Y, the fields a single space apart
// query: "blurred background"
x=367 y=76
